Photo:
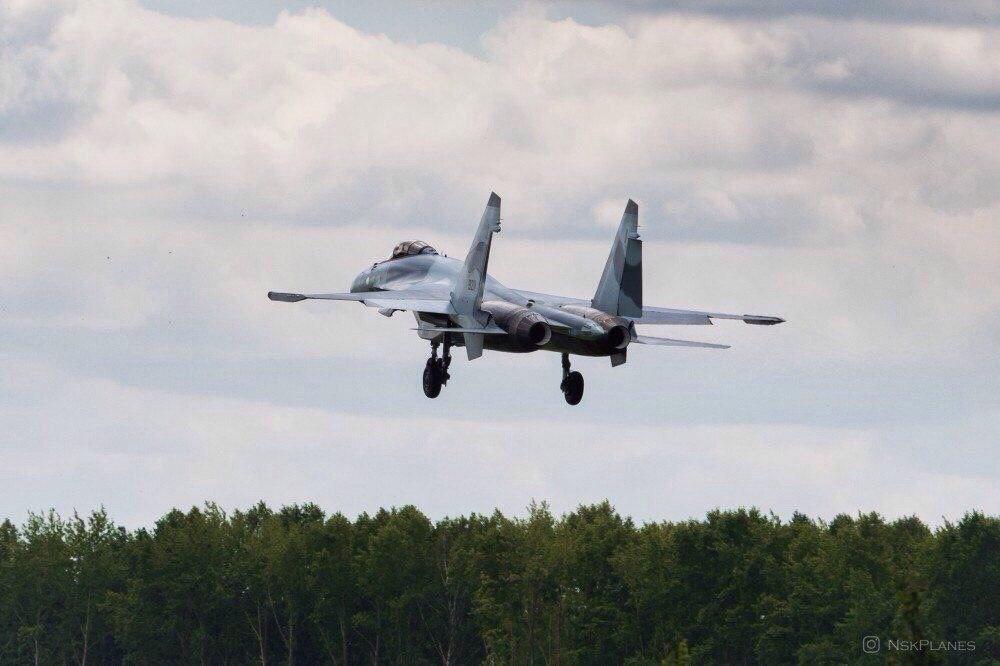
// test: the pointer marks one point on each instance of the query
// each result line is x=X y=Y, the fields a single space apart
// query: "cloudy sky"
x=164 y=164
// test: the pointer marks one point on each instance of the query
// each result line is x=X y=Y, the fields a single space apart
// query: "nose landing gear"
x=572 y=383
x=436 y=371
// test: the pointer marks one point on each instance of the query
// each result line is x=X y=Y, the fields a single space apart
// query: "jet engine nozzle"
x=538 y=333
x=618 y=331
x=618 y=336
x=528 y=329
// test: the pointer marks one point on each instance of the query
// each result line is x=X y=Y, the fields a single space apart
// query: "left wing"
x=418 y=300
x=653 y=315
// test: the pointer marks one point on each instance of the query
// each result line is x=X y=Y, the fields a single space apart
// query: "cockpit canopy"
x=411 y=248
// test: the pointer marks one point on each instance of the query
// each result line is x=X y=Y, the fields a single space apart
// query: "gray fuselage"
x=437 y=274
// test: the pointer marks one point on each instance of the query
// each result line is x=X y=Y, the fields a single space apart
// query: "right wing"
x=417 y=300
x=492 y=329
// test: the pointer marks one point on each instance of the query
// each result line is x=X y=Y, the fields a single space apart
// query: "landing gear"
x=432 y=379
x=572 y=383
x=436 y=371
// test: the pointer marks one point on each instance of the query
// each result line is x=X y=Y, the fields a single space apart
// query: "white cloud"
x=140 y=451
x=299 y=117
x=158 y=175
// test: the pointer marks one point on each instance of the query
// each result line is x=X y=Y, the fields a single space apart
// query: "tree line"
x=590 y=587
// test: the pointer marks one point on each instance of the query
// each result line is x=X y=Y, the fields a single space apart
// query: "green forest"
x=296 y=585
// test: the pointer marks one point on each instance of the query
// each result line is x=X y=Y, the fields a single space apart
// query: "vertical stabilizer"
x=620 y=290
x=467 y=295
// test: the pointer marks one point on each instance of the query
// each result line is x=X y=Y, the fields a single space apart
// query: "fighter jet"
x=458 y=304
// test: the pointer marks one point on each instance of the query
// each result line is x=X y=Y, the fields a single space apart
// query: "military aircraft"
x=457 y=303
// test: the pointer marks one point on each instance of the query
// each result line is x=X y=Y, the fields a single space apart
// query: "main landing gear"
x=572 y=383
x=436 y=371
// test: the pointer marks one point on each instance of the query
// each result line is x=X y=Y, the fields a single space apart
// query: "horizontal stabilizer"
x=668 y=342
x=489 y=330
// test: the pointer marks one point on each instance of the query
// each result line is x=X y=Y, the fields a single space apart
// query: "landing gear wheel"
x=572 y=383
x=572 y=388
x=436 y=371
x=432 y=378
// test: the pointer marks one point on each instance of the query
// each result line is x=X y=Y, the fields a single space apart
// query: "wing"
x=656 y=316
x=653 y=315
x=489 y=330
x=550 y=299
x=667 y=342
x=418 y=300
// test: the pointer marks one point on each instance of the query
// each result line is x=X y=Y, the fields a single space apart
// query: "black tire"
x=572 y=388
x=442 y=369
x=432 y=380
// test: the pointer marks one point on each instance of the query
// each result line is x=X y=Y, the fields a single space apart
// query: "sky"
x=165 y=164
